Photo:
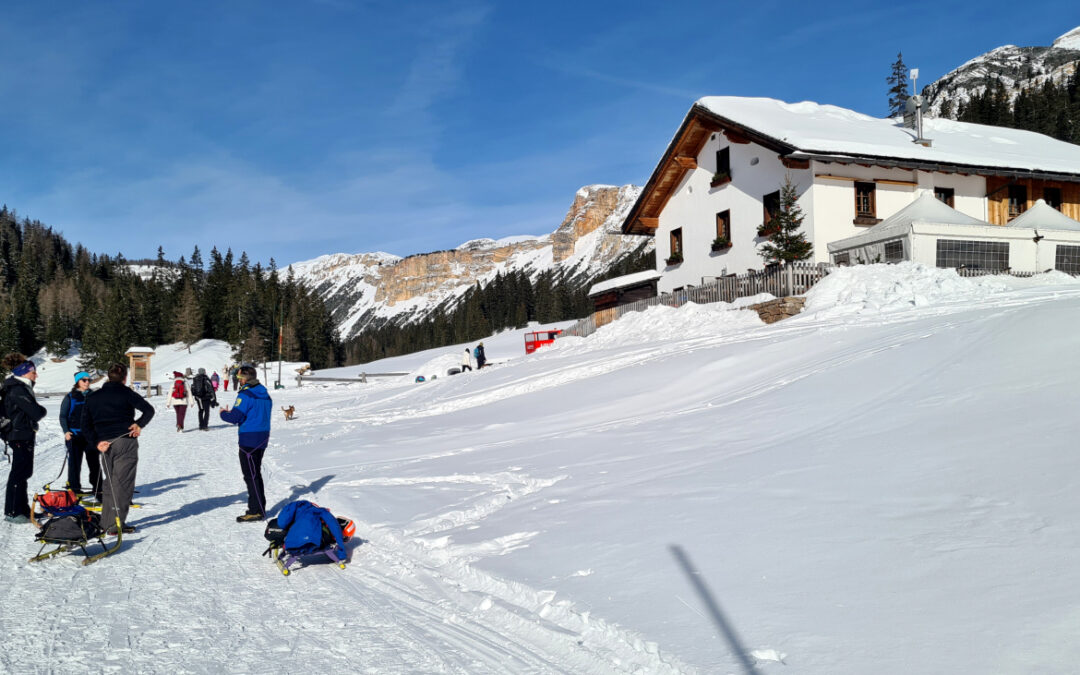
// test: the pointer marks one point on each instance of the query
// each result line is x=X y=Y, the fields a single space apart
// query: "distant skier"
x=111 y=427
x=466 y=360
x=481 y=358
x=202 y=389
x=71 y=421
x=252 y=412
x=180 y=398
x=21 y=407
x=234 y=372
x=215 y=380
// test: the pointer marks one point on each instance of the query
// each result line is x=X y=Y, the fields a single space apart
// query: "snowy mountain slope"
x=884 y=484
x=1018 y=68
x=377 y=288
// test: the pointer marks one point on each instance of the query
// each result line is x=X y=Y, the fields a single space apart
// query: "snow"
x=830 y=130
x=623 y=281
x=882 y=484
x=1070 y=40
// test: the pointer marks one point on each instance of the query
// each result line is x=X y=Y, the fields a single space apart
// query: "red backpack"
x=178 y=390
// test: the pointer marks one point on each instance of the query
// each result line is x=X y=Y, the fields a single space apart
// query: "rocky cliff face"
x=1018 y=68
x=380 y=288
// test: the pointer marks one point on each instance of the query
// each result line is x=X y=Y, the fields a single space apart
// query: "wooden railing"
x=793 y=279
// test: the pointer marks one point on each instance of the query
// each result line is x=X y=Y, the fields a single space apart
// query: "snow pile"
x=438 y=366
x=890 y=288
x=663 y=323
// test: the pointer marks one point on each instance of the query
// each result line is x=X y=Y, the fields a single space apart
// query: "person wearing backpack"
x=180 y=398
x=203 y=391
x=252 y=413
x=24 y=413
x=481 y=358
x=71 y=421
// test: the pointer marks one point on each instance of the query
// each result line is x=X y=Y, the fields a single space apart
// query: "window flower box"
x=767 y=230
x=675 y=259
x=721 y=244
x=720 y=178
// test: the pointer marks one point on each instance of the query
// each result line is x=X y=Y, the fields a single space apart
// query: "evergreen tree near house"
x=788 y=243
x=898 y=87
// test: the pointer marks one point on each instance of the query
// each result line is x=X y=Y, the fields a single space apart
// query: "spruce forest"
x=56 y=295
x=1051 y=109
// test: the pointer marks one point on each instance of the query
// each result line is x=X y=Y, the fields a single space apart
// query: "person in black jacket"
x=203 y=391
x=71 y=421
x=23 y=410
x=110 y=426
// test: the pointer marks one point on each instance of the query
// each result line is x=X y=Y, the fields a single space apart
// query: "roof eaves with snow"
x=624 y=281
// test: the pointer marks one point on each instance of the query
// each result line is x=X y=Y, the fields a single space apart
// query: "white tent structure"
x=931 y=232
x=1042 y=216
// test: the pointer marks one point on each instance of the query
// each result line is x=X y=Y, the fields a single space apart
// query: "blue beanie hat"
x=24 y=368
x=81 y=375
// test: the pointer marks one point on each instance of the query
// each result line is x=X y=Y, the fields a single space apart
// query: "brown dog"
x=289 y=412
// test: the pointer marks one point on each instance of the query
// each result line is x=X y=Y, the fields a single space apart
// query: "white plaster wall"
x=833 y=200
x=694 y=206
x=970 y=191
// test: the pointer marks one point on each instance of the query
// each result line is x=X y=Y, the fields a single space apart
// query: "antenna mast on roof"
x=914 y=109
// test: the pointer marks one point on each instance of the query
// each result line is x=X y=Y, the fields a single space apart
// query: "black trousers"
x=17 y=501
x=204 y=412
x=78 y=447
x=251 y=467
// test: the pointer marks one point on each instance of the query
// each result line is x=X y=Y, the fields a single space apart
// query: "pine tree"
x=188 y=328
x=898 y=88
x=789 y=243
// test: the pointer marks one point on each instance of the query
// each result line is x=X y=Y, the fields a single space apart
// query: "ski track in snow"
x=189 y=591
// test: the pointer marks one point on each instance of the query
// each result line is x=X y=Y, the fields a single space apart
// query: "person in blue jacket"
x=71 y=422
x=252 y=412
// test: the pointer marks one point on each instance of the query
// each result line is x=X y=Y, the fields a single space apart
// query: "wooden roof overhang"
x=914 y=164
x=681 y=156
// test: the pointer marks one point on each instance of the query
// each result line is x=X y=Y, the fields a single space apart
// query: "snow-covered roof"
x=816 y=129
x=624 y=281
x=1044 y=217
x=140 y=350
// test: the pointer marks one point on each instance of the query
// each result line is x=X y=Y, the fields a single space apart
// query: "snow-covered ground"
x=884 y=484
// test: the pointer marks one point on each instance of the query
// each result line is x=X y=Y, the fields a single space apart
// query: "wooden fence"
x=794 y=279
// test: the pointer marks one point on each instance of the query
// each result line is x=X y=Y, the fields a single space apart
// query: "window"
x=723 y=225
x=979 y=255
x=1067 y=259
x=723 y=162
x=1052 y=196
x=842 y=258
x=945 y=195
x=894 y=251
x=865 y=204
x=676 y=255
x=771 y=207
x=1017 y=200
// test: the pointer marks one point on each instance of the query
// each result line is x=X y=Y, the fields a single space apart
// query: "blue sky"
x=295 y=129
